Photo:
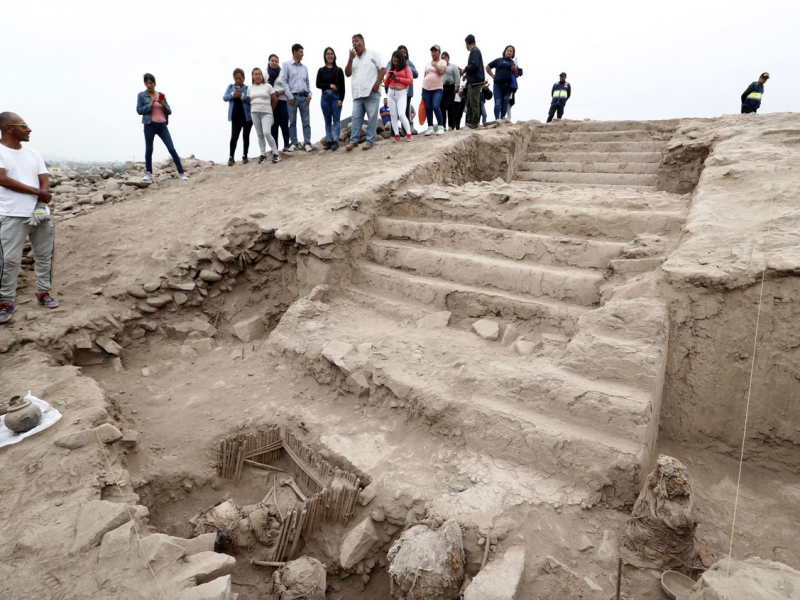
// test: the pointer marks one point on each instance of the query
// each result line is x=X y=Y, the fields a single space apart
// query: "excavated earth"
x=504 y=327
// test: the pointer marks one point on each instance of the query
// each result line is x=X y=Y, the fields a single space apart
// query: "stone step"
x=570 y=284
x=619 y=179
x=527 y=410
x=630 y=135
x=602 y=186
x=537 y=145
x=500 y=242
x=618 y=216
x=594 y=157
x=589 y=167
x=465 y=301
x=665 y=127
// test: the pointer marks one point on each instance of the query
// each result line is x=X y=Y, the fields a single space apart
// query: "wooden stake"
x=262 y=466
x=486 y=549
x=266 y=563
x=619 y=577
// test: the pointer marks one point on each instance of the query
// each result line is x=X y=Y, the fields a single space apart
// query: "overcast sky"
x=73 y=69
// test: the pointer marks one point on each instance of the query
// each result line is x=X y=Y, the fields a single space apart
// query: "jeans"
x=502 y=94
x=553 y=109
x=151 y=130
x=448 y=105
x=398 y=101
x=13 y=231
x=332 y=112
x=747 y=109
x=239 y=124
x=473 y=105
x=263 y=123
x=433 y=101
x=299 y=104
x=369 y=105
x=281 y=114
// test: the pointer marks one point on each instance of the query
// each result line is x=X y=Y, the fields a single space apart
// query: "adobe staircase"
x=582 y=410
x=601 y=154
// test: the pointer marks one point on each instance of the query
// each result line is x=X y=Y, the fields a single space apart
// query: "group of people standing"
x=272 y=100
x=446 y=93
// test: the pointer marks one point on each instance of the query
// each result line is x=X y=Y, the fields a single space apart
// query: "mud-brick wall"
x=708 y=371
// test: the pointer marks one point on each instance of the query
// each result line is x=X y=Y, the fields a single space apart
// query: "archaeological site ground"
x=494 y=365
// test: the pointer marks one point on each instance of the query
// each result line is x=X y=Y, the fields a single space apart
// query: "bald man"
x=24 y=195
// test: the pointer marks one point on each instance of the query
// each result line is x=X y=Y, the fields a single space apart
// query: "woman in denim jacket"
x=155 y=113
x=238 y=114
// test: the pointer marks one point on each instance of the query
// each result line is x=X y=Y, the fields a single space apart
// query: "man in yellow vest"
x=560 y=93
x=751 y=99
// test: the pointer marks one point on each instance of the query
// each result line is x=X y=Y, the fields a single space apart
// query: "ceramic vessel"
x=22 y=415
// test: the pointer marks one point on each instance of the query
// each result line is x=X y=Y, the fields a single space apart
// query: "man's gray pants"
x=13 y=231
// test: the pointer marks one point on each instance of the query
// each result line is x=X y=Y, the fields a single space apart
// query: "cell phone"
x=237 y=88
x=160 y=96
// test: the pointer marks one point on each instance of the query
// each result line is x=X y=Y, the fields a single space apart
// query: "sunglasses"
x=23 y=125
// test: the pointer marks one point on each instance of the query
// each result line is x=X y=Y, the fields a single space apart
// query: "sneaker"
x=276 y=158
x=328 y=145
x=367 y=146
x=286 y=148
x=231 y=162
x=262 y=159
x=147 y=177
x=408 y=137
x=430 y=131
x=6 y=308
x=292 y=148
x=335 y=146
x=245 y=160
x=397 y=138
x=440 y=130
x=307 y=147
x=184 y=177
x=350 y=146
x=46 y=300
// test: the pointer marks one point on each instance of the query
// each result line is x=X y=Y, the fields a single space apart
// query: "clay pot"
x=22 y=415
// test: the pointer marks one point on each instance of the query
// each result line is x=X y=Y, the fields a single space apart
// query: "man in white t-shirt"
x=367 y=70
x=24 y=194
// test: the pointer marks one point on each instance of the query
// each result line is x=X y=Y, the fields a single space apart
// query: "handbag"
x=421 y=113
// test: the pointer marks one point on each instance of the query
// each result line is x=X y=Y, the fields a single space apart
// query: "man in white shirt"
x=24 y=194
x=367 y=70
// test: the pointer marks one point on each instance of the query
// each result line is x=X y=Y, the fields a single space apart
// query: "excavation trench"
x=191 y=375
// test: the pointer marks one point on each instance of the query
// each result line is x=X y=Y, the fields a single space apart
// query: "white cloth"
x=365 y=73
x=278 y=87
x=260 y=100
x=397 y=108
x=50 y=416
x=23 y=165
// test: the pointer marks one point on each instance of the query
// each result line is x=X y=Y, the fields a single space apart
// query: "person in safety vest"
x=561 y=93
x=751 y=99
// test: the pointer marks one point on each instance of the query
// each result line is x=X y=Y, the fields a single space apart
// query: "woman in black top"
x=330 y=79
x=503 y=78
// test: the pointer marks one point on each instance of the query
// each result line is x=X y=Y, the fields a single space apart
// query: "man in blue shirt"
x=560 y=94
x=298 y=93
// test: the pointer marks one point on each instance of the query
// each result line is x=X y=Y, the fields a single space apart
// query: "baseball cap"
x=765 y=75
x=563 y=74
x=435 y=47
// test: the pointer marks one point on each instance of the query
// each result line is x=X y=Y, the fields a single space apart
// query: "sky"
x=72 y=70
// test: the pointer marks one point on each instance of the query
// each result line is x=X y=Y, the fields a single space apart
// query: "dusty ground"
x=188 y=401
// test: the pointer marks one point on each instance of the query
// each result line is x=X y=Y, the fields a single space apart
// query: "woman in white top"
x=263 y=100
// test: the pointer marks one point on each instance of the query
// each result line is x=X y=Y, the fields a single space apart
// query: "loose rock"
x=487 y=329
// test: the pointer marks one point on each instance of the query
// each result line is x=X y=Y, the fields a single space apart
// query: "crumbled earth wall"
x=712 y=281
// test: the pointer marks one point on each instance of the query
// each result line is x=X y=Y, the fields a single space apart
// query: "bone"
x=291 y=483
